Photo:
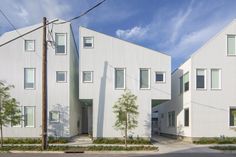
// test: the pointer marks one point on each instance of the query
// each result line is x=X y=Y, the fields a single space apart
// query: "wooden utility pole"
x=44 y=87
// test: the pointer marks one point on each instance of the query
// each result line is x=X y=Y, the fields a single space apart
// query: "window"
x=186 y=117
x=231 y=45
x=160 y=77
x=171 y=119
x=29 y=45
x=144 y=78
x=88 y=42
x=87 y=76
x=29 y=116
x=184 y=83
x=232 y=117
x=54 y=116
x=61 y=76
x=215 y=79
x=200 y=78
x=60 y=43
x=181 y=85
x=29 y=78
x=119 y=78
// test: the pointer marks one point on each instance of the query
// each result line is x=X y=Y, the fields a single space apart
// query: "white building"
x=108 y=66
x=203 y=91
x=20 y=65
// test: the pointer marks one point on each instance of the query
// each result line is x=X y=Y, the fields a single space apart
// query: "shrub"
x=216 y=140
x=120 y=141
x=34 y=140
x=224 y=147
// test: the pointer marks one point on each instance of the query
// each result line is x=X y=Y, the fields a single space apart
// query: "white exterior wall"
x=13 y=60
x=109 y=53
x=208 y=109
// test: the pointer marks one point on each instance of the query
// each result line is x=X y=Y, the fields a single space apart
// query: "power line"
x=8 y=20
x=84 y=13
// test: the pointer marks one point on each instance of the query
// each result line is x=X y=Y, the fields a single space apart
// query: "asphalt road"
x=127 y=155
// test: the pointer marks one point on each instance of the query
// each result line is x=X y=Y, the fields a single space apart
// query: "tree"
x=126 y=111
x=9 y=112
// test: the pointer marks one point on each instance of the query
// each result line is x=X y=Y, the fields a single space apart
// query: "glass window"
x=186 y=117
x=232 y=117
x=231 y=45
x=215 y=79
x=186 y=81
x=181 y=84
x=29 y=116
x=144 y=79
x=60 y=43
x=160 y=77
x=171 y=119
x=87 y=76
x=29 y=78
x=54 y=116
x=29 y=45
x=200 y=79
x=61 y=76
x=88 y=42
x=119 y=78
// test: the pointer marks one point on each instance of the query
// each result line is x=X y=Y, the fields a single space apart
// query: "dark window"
x=160 y=77
x=186 y=117
x=186 y=86
x=232 y=117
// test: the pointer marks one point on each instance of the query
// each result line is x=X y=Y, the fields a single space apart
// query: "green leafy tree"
x=126 y=111
x=9 y=111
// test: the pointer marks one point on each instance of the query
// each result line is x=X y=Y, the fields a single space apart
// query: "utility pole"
x=44 y=87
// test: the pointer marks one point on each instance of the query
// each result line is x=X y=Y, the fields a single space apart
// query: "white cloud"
x=135 y=33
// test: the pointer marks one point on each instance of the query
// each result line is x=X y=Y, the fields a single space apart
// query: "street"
x=118 y=155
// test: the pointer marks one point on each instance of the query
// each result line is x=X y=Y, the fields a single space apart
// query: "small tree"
x=9 y=112
x=126 y=112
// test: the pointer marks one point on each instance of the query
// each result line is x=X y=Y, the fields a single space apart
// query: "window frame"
x=220 y=78
x=149 y=78
x=65 y=72
x=25 y=45
x=164 y=76
x=86 y=47
x=205 y=79
x=65 y=37
x=124 y=69
x=227 y=47
x=170 y=122
x=34 y=116
x=34 y=79
x=50 y=116
x=91 y=81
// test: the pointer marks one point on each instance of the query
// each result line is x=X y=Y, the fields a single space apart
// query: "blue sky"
x=174 y=27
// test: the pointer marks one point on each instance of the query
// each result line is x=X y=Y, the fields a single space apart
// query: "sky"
x=174 y=27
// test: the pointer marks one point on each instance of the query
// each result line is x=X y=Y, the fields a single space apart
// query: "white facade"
x=210 y=104
x=100 y=56
x=63 y=104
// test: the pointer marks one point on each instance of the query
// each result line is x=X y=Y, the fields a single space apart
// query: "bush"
x=216 y=140
x=120 y=141
x=34 y=140
x=224 y=147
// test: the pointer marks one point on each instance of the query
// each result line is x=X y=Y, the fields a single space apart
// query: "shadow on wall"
x=60 y=128
x=101 y=103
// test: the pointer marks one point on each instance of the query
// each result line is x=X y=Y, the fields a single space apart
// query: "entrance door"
x=84 y=120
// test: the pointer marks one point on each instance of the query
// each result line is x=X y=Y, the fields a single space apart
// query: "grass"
x=231 y=148
x=140 y=141
x=216 y=140
x=77 y=148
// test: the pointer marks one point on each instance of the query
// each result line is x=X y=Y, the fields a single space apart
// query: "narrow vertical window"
x=29 y=78
x=88 y=42
x=232 y=117
x=231 y=45
x=144 y=78
x=60 y=46
x=171 y=119
x=215 y=79
x=119 y=78
x=181 y=85
x=29 y=45
x=186 y=117
x=200 y=79
x=29 y=116
x=186 y=81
